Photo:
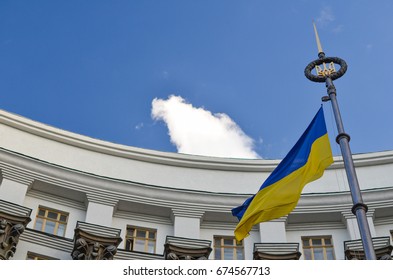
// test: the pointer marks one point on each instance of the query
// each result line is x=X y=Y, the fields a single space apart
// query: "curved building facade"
x=67 y=196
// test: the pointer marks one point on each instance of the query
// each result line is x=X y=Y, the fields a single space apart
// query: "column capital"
x=276 y=251
x=95 y=242
x=179 y=248
x=13 y=221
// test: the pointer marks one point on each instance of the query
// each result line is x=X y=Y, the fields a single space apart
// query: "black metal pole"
x=359 y=209
x=326 y=73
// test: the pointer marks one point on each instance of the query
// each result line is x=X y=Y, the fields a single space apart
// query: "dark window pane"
x=130 y=231
x=228 y=242
x=141 y=233
x=316 y=242
x=129 y=244
x=52 y=215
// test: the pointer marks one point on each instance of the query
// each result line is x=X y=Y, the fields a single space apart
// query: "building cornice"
x=101 y=188
x=123 y=151
x=166 y=158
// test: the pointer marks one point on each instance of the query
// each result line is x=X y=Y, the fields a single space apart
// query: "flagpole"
x=326 y=72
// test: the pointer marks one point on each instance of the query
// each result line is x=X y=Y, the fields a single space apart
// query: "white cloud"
x=325 y=16
x=199 y=132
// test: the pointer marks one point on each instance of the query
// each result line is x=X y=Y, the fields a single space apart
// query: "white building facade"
x=66 y=196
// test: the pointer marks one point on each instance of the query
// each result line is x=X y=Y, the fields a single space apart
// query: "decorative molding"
x=132 y=255
x=354 y=249
x=196 y=213
x=174 y=159
x=16 y=174
x=276 y=251
x=101 y=198
x=383 y=221
x=101 y=188
x=11 y=227
x=94 y=242
x=178 y=248
x=349 y=215
x=98 y=230
x=117 y=150
x=14 y=209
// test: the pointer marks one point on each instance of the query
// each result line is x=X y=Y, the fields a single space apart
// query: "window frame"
x=31 y=256
x=130 y=241
x=224 y=246
x=323 y=246
x=44 y=219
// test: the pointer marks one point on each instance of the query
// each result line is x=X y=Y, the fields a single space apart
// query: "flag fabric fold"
x=280 y=193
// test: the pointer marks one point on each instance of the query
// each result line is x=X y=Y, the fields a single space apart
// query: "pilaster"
x=100 y=210
x=273 y=231
x=14 y=185
x=352 y=224
x=187 y=222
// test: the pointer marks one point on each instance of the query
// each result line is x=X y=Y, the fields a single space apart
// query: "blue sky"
x=97 y=68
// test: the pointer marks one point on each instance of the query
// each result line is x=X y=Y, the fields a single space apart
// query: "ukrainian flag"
x=280 y=193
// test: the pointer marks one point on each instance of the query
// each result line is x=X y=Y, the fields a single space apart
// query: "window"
x=318 y=248
x=228 y=248
x=51 y=221
x=141 y=239
x=37 y=257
